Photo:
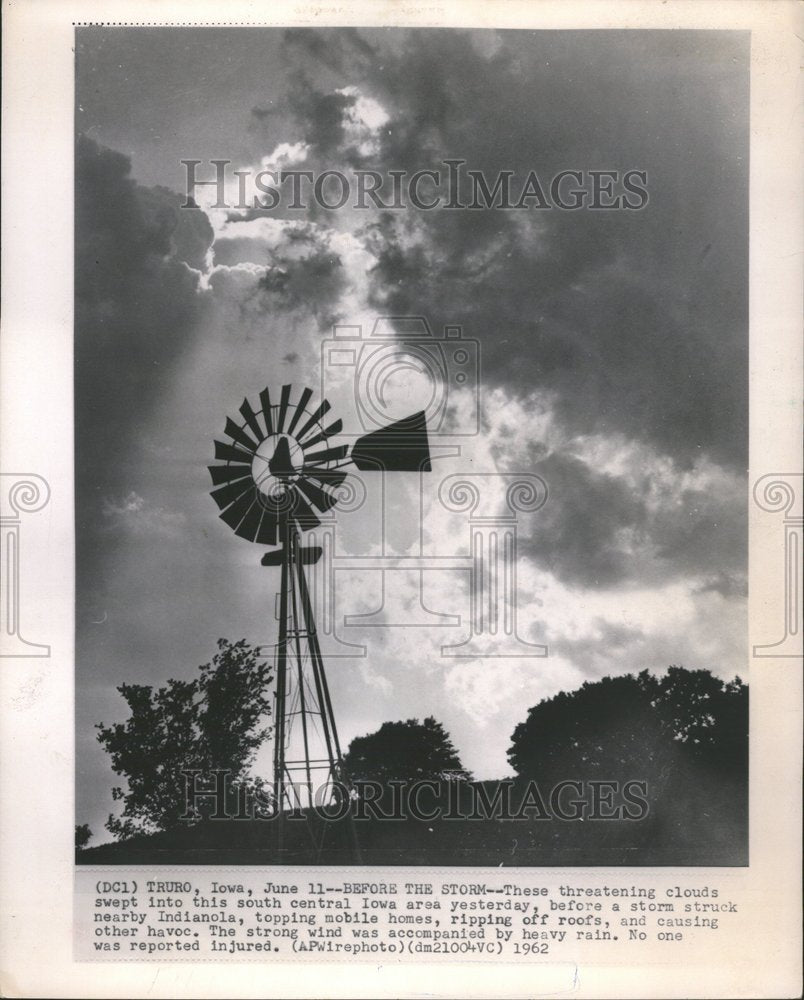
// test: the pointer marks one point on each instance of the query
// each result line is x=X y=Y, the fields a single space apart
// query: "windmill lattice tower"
x=280 y=470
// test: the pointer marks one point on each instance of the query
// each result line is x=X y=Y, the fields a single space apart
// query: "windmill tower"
x=279 y=470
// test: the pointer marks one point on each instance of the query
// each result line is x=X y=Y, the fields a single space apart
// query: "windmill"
x=279 y=470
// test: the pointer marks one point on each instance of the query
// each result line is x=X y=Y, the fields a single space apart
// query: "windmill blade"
x=251 y=419
x=328 y=455
x=318 y=498
x=303 y=512
x=282 y=505
x=304 y=399
x=328 y=432
x=238 y=435
x=300 y=495
x=234 y=515
x=250 y=524
x=323 y=409
x=399 y=447
x=266 y=534
x=329 y=477
x=227 y=453
x=228 y=473
x=229 y=493
x=284 y=399
x=267 y=415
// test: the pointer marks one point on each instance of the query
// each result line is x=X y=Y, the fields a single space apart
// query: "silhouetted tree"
x=83 y=835
x=630 y=726
x=211 y=722
x=405 y=751
x=685 y=735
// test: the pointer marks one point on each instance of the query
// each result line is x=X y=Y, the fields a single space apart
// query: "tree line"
x=685 y=733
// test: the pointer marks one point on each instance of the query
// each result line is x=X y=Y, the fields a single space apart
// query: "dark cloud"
x=136 y=299
x=263 y=114
x=602 y=531
x=320 y=114
x=313 y=282
x=301 y=271
x=634 y=323
x=339 y=49
x=577 y=535
x=638 y=320
x=705 y=531
x=191 y=236
x=726 y=584
x=137 y=304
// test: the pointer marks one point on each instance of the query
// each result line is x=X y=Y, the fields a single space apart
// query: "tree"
x=211 y=722
x=405 y=751
x=83 y=835
x=618 y=726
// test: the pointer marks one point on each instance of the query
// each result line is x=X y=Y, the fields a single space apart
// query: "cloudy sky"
x=613 y=351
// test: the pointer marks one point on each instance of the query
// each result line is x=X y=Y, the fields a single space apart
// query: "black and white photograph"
x=411 y=445
x=401 y=499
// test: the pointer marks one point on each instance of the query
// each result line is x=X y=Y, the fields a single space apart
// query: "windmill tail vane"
x=278 y=470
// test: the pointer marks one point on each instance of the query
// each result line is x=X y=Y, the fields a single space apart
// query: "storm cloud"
x=637 y=320
x=137 y=303
x=613 y=344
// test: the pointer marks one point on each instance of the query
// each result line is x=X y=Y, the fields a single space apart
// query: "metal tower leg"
x=337 y=769
x=281 y=692
x=298 y=640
